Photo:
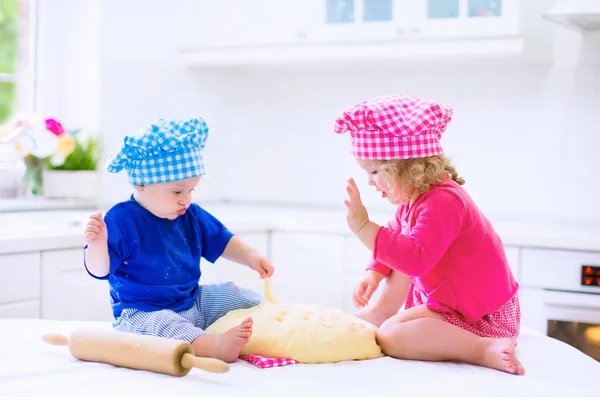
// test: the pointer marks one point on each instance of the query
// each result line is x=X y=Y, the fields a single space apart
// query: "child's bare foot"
x=373 y=316
x=230 y=343
x=500 y=354
x=225 y=346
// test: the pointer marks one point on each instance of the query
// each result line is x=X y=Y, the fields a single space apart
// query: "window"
x=16 y=58
x=466 y=8
x=350 y=11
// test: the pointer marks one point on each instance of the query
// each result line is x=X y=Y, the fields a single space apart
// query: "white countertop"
x=59 y=229
x=34 y=203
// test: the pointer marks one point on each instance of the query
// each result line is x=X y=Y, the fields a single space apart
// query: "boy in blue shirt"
x=149 y=246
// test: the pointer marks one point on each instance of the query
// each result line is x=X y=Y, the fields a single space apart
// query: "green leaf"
x=9 y=9
x=9 y=38
x=7 y=100
x=81 y=159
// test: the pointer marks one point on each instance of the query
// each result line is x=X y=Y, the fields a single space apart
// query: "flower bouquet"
x=57 y=162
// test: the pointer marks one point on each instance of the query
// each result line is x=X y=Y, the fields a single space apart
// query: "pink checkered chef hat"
x=395 y=127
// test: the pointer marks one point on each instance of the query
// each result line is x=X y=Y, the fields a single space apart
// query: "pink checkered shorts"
x=502 y=323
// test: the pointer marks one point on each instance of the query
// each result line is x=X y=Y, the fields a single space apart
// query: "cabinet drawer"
x=24 y=309
x=556 y=269
x=20 y=277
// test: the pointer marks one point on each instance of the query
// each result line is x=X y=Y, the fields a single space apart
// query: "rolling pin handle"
x=208 y=364
x=55 y=339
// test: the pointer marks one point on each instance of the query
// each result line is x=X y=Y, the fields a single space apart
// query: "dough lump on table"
x=308 y=334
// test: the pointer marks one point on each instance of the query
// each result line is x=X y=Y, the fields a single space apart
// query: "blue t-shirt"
x=155 y=262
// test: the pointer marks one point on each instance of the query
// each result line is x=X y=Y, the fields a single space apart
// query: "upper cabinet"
x=368 y=20
x=237 y=32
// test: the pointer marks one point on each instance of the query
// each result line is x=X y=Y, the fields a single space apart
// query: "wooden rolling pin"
x=135 y=351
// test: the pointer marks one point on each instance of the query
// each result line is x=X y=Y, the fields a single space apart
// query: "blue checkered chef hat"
x=164 y=151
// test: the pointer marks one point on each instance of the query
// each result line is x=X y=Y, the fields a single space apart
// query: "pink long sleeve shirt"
x=451 y=252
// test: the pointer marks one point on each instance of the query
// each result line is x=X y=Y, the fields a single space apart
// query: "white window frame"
x=25 y=76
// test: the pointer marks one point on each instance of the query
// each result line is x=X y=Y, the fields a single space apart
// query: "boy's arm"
x=101 y=254
x=239 y=252
x=97 y=260
x=218 y=241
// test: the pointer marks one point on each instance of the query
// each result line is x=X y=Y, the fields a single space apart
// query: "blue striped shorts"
x=213 y=302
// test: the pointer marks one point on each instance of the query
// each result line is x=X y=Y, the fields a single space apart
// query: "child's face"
x=392 y=188
x=167 y=200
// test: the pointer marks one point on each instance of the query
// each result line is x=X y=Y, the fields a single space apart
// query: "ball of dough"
x=308 y=334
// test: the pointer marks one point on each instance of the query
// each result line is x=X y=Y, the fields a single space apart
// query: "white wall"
x=523 y=136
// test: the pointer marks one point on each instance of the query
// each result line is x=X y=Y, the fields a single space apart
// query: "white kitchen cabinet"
x=247 y=23
x=22 y=309
x=224 y=270
x=20 y=277
x=69 y=292
x=556 y=286
x=531 y=301
x=20 y=285
x=402 y=20
x=450 y=19
x=250 y=32
x=309 y=268
x=558 y=269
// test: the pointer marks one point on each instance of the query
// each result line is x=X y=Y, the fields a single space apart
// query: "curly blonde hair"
x=422 y=173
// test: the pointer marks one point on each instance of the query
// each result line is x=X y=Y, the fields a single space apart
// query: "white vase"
x=70 y=184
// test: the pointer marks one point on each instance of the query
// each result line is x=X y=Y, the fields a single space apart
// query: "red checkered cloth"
x=395 y=127
x=268 y=362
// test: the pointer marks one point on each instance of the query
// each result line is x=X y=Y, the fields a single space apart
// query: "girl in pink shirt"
x=440 y=256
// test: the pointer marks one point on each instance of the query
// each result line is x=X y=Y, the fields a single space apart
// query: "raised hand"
x=95 y=230
x=357 y=215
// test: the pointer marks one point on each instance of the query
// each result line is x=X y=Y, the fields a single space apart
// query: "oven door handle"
x=568 y=306
x=588 y=300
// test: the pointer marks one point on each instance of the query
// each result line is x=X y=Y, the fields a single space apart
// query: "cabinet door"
x=308 y=268
x=23 y=309
x=68 y=292
x=462 y=19
x=376 y=20
x=20 y=277
x=248 y=23
x=353 y=20
x=224 y=270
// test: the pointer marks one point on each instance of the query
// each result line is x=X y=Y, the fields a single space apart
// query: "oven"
x=560 y=296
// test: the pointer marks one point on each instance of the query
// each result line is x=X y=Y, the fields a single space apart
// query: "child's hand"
x=365 y=288
x=260 y=265
x=357 y=215
x=95 y=230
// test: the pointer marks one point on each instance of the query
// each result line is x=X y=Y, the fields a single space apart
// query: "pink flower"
x=54 y=126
